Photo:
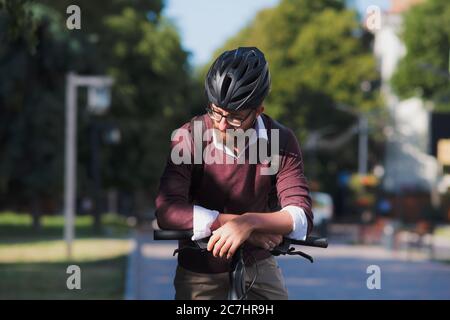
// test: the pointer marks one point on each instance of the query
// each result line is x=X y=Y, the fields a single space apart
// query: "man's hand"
x=226 y=240
x=265 y=240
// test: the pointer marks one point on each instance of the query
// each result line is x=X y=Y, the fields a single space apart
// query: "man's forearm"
x=279 y=222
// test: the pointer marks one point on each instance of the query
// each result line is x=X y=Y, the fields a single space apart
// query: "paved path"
x=339 y=272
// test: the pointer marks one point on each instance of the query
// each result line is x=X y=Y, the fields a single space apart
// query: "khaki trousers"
x=269 y=284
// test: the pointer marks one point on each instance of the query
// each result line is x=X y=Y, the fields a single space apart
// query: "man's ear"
x=259 y=110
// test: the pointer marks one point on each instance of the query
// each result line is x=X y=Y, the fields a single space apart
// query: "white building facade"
x=408 y=165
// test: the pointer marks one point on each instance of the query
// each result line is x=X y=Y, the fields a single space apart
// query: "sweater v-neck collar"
x=260 y=132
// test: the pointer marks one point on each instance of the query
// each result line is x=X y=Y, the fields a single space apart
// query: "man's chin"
x=224 y=135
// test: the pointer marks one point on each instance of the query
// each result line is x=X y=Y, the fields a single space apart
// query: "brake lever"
x=282 y=248
x=285 y=248
x=201 y=245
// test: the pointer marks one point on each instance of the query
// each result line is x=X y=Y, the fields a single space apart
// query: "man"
x=230 y=200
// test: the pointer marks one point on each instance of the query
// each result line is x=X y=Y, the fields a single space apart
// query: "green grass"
x=89 y=249
x=102 y=279
x=33 y=263
x=443 y=231
x=16 y=227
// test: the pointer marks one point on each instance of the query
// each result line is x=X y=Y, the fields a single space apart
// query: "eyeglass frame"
x=210 y=109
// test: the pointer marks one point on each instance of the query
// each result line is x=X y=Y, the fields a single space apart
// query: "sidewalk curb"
x=132 y=264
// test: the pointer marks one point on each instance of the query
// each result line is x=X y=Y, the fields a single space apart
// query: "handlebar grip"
x=172 y=234
x=312 y=242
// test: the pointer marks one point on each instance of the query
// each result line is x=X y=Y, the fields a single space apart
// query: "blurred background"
x=363 y=84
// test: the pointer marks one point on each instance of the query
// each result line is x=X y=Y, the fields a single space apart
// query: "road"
x=338 y=272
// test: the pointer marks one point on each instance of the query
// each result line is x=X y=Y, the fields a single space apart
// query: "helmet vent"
x=236 y=63
x=225 y=85
x=240 y=97
x=250 y=80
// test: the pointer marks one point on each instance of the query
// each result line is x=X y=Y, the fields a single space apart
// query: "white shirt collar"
x=260 y=132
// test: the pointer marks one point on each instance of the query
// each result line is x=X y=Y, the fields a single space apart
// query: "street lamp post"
x=363 y=141
x=73 y=81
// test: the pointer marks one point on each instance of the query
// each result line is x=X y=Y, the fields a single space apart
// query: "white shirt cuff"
x=203 y=219
x=300 y=225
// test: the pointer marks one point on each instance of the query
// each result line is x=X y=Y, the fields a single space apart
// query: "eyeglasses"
x=231 y=120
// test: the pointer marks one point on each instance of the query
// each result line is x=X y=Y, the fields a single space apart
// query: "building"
x=411 y=172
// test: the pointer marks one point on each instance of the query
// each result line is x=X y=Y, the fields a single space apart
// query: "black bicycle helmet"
x=238 y=79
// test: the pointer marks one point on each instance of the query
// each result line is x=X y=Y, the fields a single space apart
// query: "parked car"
x=323 y=208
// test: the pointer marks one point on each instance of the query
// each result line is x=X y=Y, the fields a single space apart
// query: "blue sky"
x=204 y=25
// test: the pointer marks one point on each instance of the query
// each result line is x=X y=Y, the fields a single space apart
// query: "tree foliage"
x=424 y=70
x=128 y=40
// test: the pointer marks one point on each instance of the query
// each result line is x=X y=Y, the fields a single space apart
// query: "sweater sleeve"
x=173 y=208
x=292 y=185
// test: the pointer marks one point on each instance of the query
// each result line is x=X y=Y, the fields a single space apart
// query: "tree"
x=16 y=23
x=141 y=50
x=424 y=70
x=33 y=60
x=130 y=41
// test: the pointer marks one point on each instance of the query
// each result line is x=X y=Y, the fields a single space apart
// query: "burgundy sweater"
x=230 y=188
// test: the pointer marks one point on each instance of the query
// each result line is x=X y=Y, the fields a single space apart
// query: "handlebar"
x=187 y=234
x=236 y=275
